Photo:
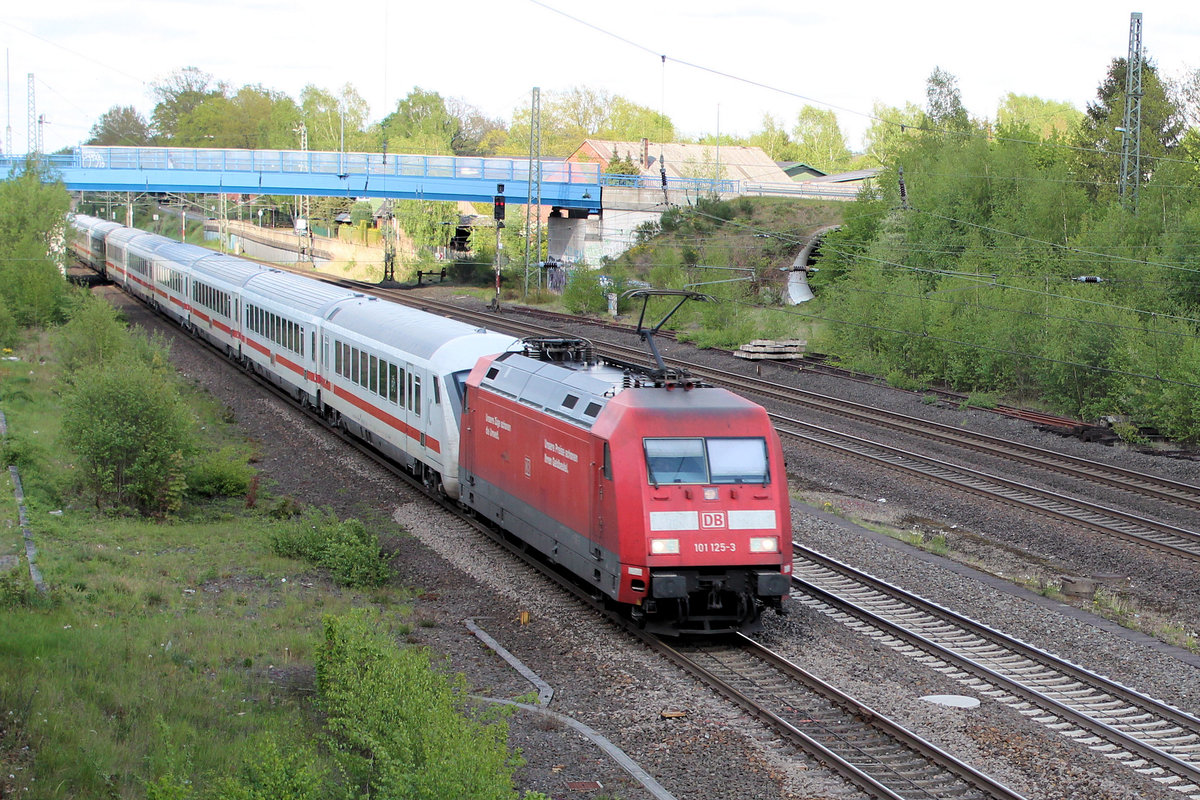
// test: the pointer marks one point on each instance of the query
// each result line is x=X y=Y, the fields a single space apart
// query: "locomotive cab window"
x=737 y=460
x=712 y=460
x=676 y=461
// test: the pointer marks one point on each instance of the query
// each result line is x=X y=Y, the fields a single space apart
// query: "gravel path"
x=621 y=690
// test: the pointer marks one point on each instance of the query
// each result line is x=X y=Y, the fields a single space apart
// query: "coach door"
x=412 y=404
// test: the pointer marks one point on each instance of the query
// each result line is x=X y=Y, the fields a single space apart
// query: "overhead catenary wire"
x=989 y=135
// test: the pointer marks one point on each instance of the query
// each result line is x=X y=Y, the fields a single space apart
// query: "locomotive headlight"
x=764 y=544
x=663 y=547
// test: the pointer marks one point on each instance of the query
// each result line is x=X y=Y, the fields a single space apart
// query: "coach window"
x=400 y=389
x=373 y=385
x=337 y=356
x=346 y=360
x=416 y=398
x=354 y=364
x=362 y=368
x=392 y=383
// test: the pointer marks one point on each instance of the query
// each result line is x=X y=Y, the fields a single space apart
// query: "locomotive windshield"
x=710 y=460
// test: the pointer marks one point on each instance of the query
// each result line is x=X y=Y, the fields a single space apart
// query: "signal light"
x=498 y=206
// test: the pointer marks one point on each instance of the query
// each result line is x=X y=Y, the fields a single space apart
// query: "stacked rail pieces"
x=773 y=349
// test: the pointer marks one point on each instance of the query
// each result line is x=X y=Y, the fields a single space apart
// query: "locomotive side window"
x=737 y=460
x=676 y=461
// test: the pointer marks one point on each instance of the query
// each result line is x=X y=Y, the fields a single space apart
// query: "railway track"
x=875 y=754
x=867 y=749
x=1141 y=530
x=1137 y=731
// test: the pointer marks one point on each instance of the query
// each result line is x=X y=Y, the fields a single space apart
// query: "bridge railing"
x=673 y=184
x=320 y=162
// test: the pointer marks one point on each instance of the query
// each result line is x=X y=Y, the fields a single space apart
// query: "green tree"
x=627 y=121
x=1099 y=142
x=891 y=130
x=819 y=140
x=329 y=117
x=1045 y=118
x=33 y=210
x=584 y=113
x=430 y=223
x=179 y=94
x=476 y=134
x=122 y=126
x=944 y=102
x=421 y=124
x=774 y=140
x=132 y=432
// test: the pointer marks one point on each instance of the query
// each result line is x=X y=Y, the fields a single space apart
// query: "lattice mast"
x=1131 y=132
x=31 y=113
x=533 y=203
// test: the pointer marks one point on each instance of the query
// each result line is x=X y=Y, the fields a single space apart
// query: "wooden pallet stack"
x=772 y=349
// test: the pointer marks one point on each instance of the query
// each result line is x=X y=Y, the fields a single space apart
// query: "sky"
x=727 y=63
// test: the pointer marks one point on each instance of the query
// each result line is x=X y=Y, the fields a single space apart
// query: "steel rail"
x=849 y=745
x=1071 y=692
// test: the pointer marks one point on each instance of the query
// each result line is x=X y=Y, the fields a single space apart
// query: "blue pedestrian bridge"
x=302 y=172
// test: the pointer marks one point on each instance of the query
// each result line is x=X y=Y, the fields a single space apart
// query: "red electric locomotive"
x=668 y=497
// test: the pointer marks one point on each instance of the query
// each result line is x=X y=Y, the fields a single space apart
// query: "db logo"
x=712 y=519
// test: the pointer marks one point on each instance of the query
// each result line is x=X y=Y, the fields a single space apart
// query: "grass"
x=161 y=649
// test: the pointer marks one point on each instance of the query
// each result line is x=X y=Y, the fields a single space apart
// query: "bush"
x=398 y=727
x=221 y=474
x=21 y=452
x=347 y=549
x=8 y=326
x=15 y=588
x=274 y=773
x=131 y=431
x=93 y=336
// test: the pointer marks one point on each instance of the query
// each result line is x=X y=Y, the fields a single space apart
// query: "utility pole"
x=533 y=203
x=302 y=200
x=1131 y=130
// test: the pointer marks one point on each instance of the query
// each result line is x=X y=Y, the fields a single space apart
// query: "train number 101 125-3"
x=715 y=547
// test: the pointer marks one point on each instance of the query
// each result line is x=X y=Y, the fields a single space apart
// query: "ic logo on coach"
x=712 y=519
